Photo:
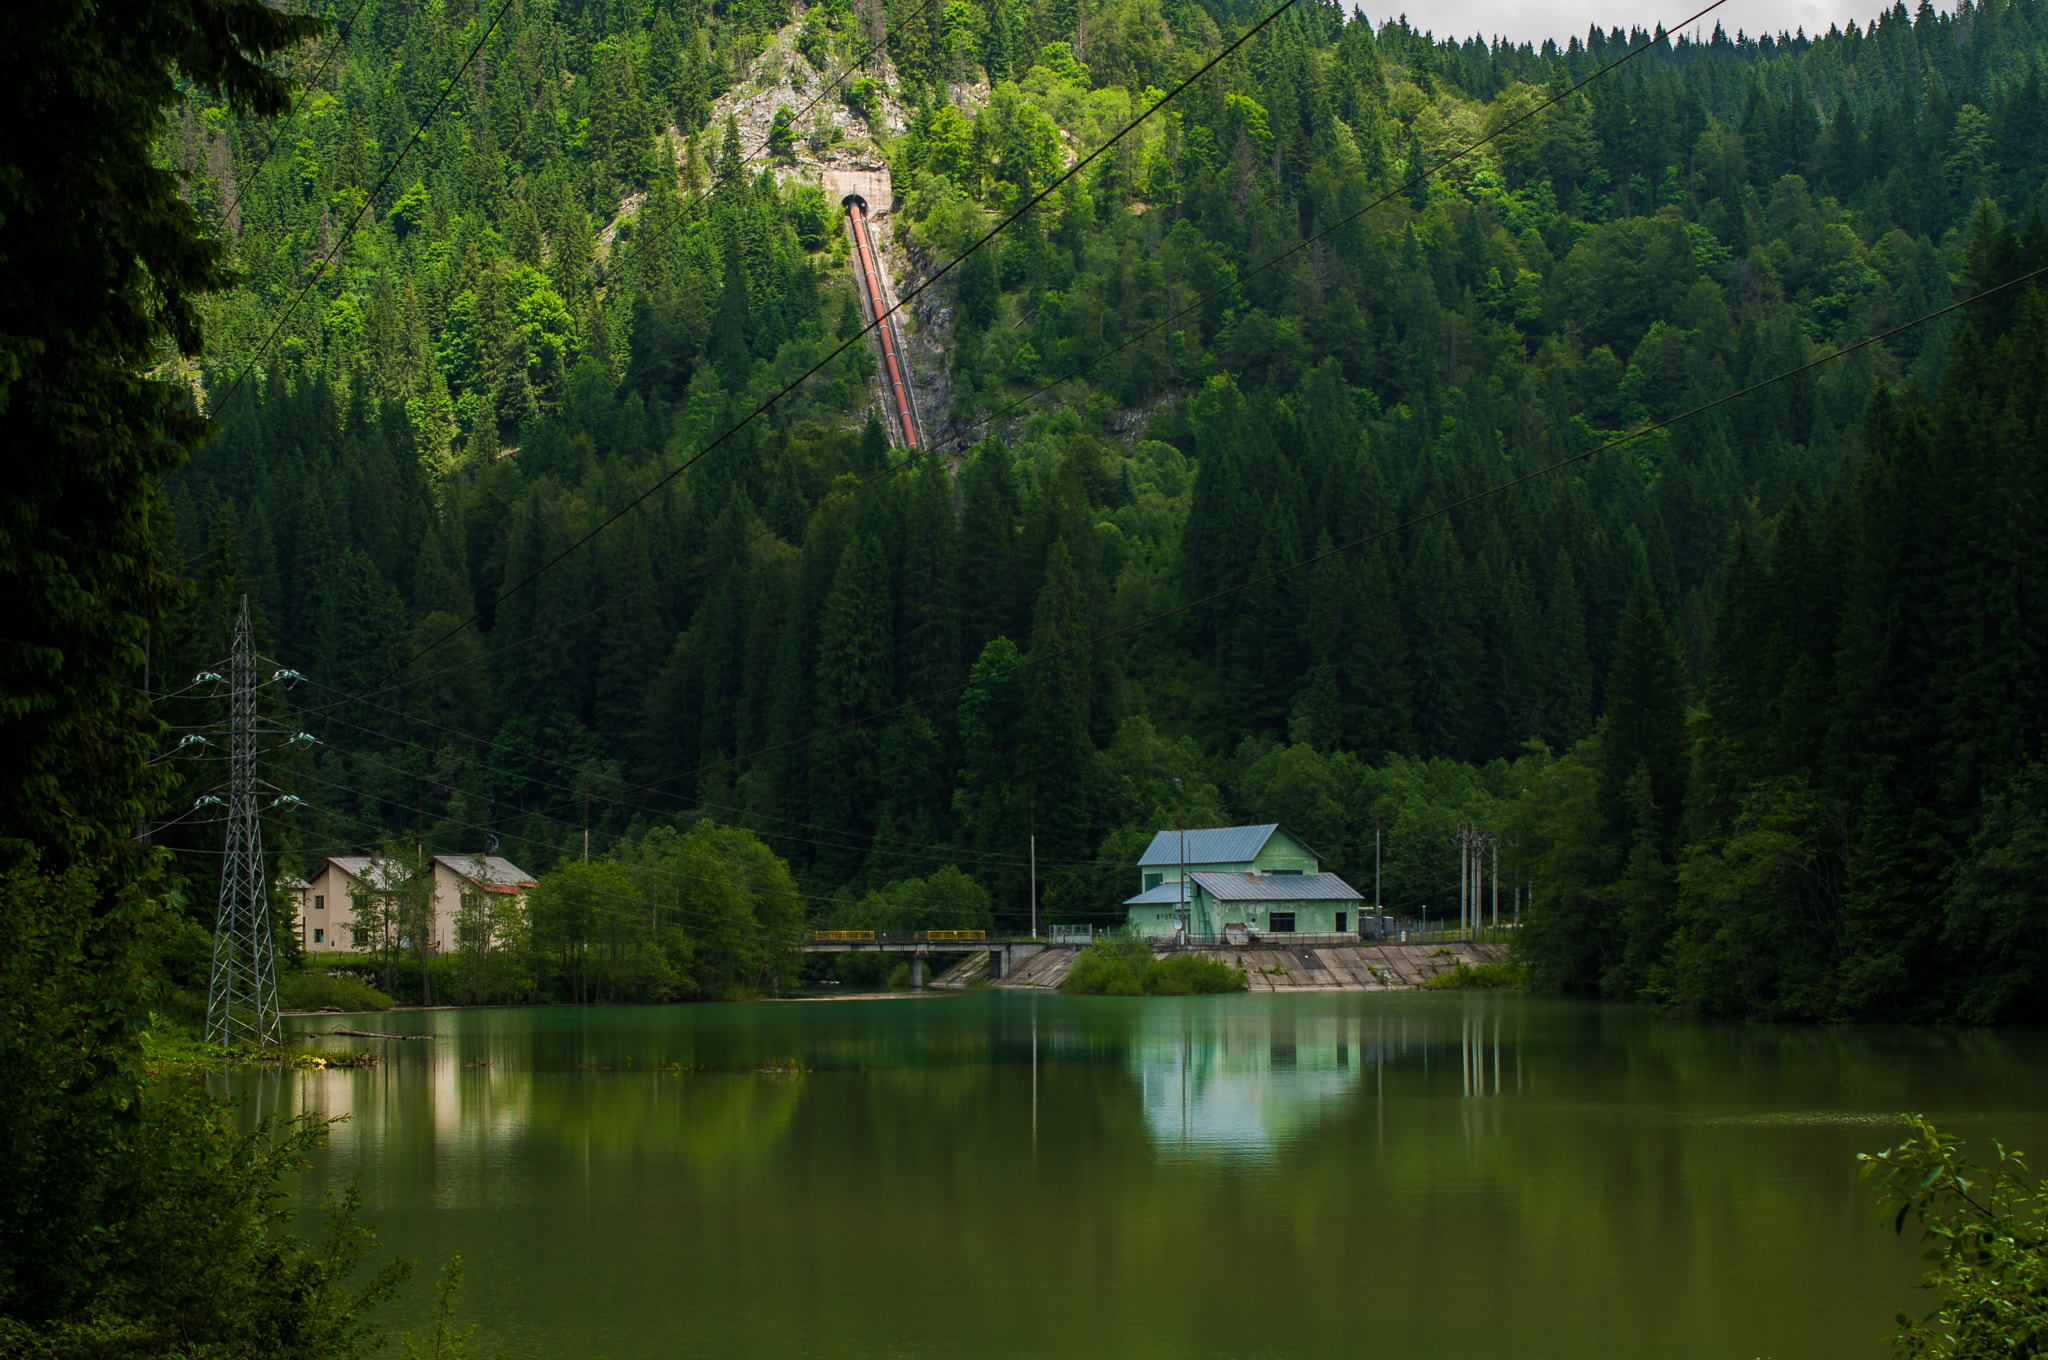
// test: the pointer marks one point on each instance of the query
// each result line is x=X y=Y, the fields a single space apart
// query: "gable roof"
x=1276 y=887
x=496 y=870
x=378 y=873
x=1165 y=895
x=1213 y=845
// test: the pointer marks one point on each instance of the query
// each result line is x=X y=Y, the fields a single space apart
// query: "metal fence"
x=1400 y=932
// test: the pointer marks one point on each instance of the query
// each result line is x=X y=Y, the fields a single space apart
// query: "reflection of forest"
x=1495 y=1174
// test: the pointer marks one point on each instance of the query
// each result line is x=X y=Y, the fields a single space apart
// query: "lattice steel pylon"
x=241 y=1003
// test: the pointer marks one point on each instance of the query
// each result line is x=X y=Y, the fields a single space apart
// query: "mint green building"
x=1264 y=879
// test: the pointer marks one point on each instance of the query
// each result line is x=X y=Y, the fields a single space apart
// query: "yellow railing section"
x=842 y=936
x=956 y=934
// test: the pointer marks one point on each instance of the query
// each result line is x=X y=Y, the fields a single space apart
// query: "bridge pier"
x=916 y=971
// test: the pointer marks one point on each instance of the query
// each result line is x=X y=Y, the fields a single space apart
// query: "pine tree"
x=856 y=680
x=1644 y=726
x=1445 y=651
x=871 y=455
x=1568 y=691
x=929 y=627
x=1055 y=758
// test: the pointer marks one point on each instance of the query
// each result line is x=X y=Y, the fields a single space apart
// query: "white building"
x=327 y=906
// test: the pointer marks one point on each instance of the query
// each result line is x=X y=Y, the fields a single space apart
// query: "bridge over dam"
x=1302 y=963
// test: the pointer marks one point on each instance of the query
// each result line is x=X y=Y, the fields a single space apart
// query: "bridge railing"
x=903 y=937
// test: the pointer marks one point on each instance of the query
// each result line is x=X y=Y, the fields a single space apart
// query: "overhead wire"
x=699 y=197
x=960 y=439
x=769 y=402
x=1405 y=526
x=347 y=234
x=311 y=86
x=940 y=854
x=643 y=868
x=1389 y=196
x=1266 y=578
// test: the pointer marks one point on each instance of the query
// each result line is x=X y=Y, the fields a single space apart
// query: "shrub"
x=1986 y=1234
x=1484 y=977
x=316 y=989
x=1106 y=969
x=1193 y=975
x=1128 y=969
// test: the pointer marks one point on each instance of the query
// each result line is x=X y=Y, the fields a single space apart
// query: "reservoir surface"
x=992 y=1174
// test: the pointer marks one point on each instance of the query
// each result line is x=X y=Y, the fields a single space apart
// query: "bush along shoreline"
x=1127 y=968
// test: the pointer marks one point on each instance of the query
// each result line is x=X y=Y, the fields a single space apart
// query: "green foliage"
x=138 y=1221
x=448 y=1341
x=1986 y=1237
x=754 y=643
x=1865 y=787
x=318 y=988
x=1109 y=968
x=1479 y=977
x=704 y=914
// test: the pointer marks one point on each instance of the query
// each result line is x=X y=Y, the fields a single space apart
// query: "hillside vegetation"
x=1750 y=700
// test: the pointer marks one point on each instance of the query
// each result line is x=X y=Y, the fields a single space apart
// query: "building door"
x=1342 y=919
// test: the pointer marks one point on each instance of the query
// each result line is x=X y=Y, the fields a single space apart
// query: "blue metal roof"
x=1276 y=887
x=1212 y=845
x=1165 y=895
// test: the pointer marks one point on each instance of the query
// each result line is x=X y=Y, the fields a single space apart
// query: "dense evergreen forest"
x=1752 y=701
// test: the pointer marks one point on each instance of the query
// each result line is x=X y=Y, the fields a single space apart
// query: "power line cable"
x=849 y=840
x=346 y=27
x=960 y=439
x=328 y=259
x=824 y=899
x=699 y=197
x=797 y=382
x=862 y=60
x=1403 y=527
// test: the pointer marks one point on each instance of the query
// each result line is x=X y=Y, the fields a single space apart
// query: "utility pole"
x=1378 y=904
x=1185 y=912
x=1033 y=824
x=241 y=999
x=586 y=816
x=1496 y=881
x=1464 y=874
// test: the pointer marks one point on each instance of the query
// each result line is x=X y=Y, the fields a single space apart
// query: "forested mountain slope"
x=581 y=275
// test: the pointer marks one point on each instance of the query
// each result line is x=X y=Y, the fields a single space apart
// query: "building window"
x=1283 y=871
x=1153 y=880
x=1343 y=919
x=319 y=935
x=1283 y=923
x=359 y=938
x=319 y=902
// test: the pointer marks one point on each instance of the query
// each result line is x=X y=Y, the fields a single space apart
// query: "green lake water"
x=994 y=1175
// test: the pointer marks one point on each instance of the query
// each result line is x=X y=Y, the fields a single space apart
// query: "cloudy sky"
x=1535 y=20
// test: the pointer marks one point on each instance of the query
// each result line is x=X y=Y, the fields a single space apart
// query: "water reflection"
x=1242 y=1083
x=1621 y=1184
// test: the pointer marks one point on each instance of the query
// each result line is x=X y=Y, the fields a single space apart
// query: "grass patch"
x=1484 y=977
x=1128 y=969
x=315 y=989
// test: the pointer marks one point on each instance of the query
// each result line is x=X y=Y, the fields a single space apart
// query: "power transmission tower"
x=241 y=1002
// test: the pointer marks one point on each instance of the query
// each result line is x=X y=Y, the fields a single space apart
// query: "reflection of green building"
x=1260 y=877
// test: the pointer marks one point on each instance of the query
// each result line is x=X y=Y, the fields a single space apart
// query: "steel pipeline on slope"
x=856 y=212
